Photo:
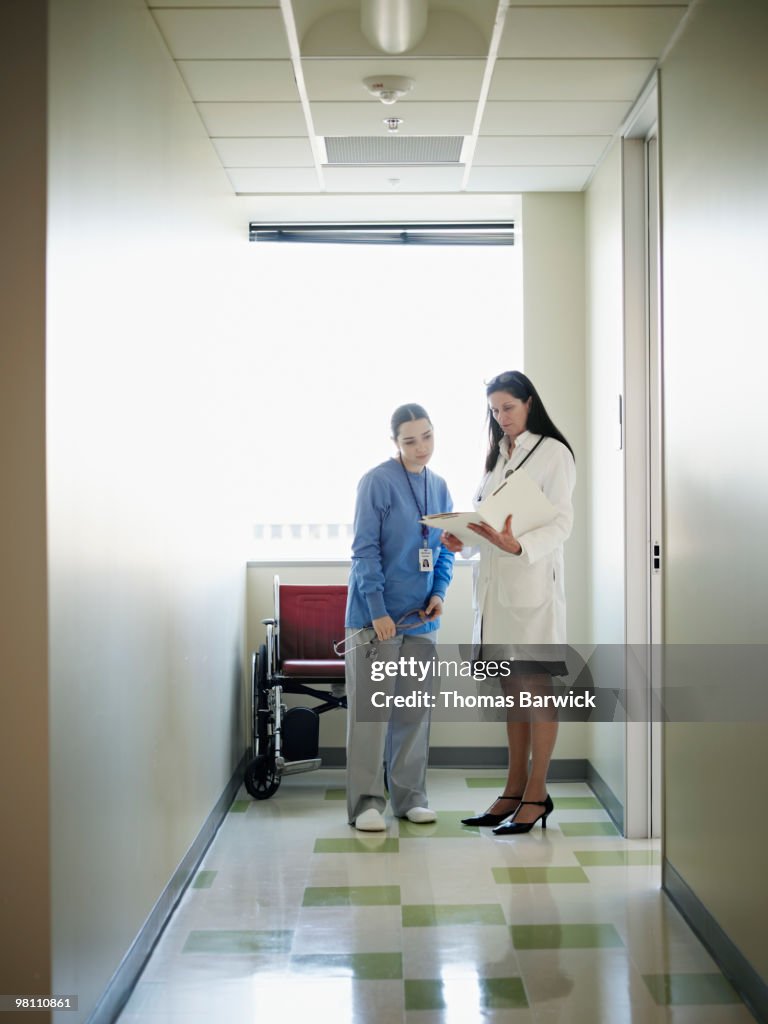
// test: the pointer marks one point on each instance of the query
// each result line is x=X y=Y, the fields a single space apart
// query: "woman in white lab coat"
x=519 y=592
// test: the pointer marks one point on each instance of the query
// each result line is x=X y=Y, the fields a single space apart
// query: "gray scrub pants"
x=398 y=738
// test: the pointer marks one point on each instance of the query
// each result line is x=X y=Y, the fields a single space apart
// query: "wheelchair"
x=297 y=657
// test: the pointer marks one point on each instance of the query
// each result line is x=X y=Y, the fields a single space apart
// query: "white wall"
x=553 y=313
x=714 y=154
x=146 y=427
x=553 y=301
x=604 y=463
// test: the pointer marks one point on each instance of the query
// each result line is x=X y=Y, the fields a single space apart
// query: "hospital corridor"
x=293 y=914
x=289 y=288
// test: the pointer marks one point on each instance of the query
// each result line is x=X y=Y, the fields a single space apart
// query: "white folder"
x=519 y=496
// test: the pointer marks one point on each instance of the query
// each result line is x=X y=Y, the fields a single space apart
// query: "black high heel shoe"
x=516 y=828
x=488 y=819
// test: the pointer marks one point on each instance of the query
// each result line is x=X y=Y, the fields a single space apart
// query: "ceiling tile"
x=542 y=150
x=588 y=31
x=393 y=179
x=602 y=118
x=239 y=79
x=273 y=179
x=367 y=118
x=528 y=179
x=342 y=80
x=265 y=152
x=249 y=119
x=228 y=34
x=569 y=79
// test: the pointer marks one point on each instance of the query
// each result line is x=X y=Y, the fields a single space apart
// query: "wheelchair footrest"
x=311 y=764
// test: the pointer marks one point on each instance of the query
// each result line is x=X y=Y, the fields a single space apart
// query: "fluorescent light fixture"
x=489 y=233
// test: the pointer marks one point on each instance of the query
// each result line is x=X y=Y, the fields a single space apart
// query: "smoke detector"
x=388 y=88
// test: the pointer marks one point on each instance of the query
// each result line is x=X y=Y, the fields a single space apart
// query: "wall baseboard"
x=116 y=994
x=606 y=796
x=731 y=961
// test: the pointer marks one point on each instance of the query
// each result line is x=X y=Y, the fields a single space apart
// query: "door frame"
x=642 y=398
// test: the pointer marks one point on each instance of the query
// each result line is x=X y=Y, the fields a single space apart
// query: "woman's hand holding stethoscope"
x=386 y=628
x=504 y=539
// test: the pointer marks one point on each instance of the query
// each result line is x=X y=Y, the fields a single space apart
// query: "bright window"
x=345 y=334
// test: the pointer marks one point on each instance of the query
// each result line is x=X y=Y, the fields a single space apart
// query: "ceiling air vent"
x=393 y=149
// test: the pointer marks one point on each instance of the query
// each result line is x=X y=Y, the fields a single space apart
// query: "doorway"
x=643 y=469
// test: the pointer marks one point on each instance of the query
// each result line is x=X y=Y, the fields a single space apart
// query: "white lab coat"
x=520 y=599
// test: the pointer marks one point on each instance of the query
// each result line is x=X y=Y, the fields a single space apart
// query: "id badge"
x=425 y=560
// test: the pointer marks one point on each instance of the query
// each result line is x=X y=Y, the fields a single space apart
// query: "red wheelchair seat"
x=311 y=620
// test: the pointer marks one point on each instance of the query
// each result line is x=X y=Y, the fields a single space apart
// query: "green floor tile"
x=204 y=879
x=447 y=826
x=529 y=876
x=425 y=995
x=577 y=803
x=472 y=994
x=360 y=966
x=616 y=858
x=588 y=828
x=335 y=794
x=495 y=783
x=370 y=844
x=427 y=915
x=352 y=896
x=690 y=989
x=216 y=941
x=564 y=936
x=502 y=994
x=239 y=806
x=564 y=803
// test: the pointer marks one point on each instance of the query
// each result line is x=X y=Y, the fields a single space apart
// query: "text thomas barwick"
x=454 y=699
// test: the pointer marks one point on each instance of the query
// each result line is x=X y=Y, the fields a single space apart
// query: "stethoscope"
x=341 y=647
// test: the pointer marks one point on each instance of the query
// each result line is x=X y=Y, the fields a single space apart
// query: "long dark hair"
x=406 y=414
x=539 y=422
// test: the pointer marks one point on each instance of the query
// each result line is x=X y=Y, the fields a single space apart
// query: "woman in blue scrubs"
x=398 y=581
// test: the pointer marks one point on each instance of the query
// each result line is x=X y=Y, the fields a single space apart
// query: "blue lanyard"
x=424 y=527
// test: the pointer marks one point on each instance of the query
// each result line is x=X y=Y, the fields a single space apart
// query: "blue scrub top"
x=385 y=578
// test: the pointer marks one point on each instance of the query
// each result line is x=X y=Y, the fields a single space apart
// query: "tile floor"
x=295 y=917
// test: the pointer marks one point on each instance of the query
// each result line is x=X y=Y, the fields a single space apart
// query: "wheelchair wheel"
x=261 y=780
x=262 y=725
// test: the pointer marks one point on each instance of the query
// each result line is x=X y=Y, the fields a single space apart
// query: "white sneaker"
x=370 y=821
x=421 y=815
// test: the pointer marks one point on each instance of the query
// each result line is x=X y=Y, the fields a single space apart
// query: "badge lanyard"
x=426 y=560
